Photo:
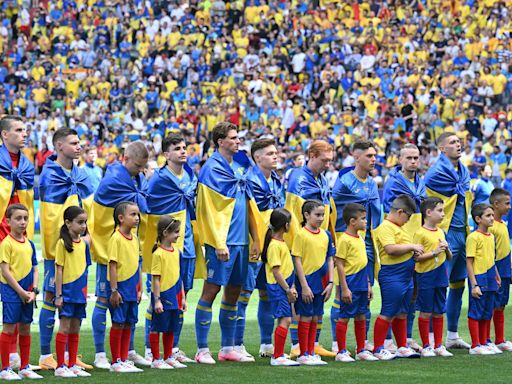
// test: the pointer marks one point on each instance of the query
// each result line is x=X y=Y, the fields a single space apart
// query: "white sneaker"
x=9 y=374
x=27 y=373
x=369 y=346
x=79 y=371
x=14 y=361
x=182 y=357
x=317 y=360
x=175 y=363
x=131 y=368
x=241 y=349
x=266 y=350
x=160 y=364
x=138 y=359
x=479 y=350
x=204 y=357
x=443 y=352
x=283 y=362
x=384 y=355
x=428 y=352
x=64 y=372
x=148 y=355
x=305 y=360
x=457 y=343
x=101 y=361
x=119 y=367
x=366 y=356
x=505 y=346
x=494 y=348
x=390 y=346
x=407 y=353
x=344 y=357
x=34 y=367
x=411 y=343
x=334 y=347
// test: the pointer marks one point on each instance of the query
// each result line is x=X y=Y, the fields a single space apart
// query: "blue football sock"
x=227 y=320
x=453 y=307
x=132 y=337
x=177 y=332
x=147 y=327
x=389 y=335
x=410 y=319
x=368 y=321
x=46 y=324
x=335 y=310
x=294 y=332
x=203 y=323
x=99 y=325
x=319 y=325
x=265 y=320
x=243 y=301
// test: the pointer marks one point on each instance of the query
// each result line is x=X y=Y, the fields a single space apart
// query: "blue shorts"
x=371 y=258
x=17 y=313
x=396 y=298
x=187 y=269
x=102 y=283
x=482 y=308
x=503 y=293
x=251 y=278
x=281 y=307
x=457 y=265
x=127 y=312
x=73 y=310
x=431 y=300
x=167 y=321
x=49 y=276
x=261 y=279
x=316 y=308
x=231 y=272
x=359 y=305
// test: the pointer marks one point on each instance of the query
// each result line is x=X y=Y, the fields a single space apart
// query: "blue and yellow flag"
x=397 y=184
x=169 y=194
x=216 y=197
x=116 y=186
x=449 y=184
x=302 y=186
x=59 y=189
x=17 y=181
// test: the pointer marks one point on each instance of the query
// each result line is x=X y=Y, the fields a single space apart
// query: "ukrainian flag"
x=449 y=184
x=116 y=186
x=59 y=189
x=397 y=184
x=17 y=181
x=166 y=197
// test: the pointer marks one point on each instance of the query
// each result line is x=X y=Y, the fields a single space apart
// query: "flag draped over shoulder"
x=449 y=184
x=397 y=184
x=116 y=186
x=58 y=189
x=217 y=188
x=18 y=180
x=166 y=197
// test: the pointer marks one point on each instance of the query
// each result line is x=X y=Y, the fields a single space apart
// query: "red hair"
x=318 y=147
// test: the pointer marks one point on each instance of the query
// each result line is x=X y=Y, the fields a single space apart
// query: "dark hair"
x=63 y=133
x=90 y=148
x=351 y=211
x=7 y=120
x=308 y=207
x=362 y=145
x=220 y=131
x=15 y=207
x=429 y=203
x=172 y=139
x=278 y=219
x=478 y=210
x=405 y=203
x=498 y=193
x=70 y=214
x=165 y=224
x=120 y=209
x=261 y=144
x=443 y=136
x=507 y=171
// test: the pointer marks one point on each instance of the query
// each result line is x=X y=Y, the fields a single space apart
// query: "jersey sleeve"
x=5 y=252
x=156 y=264
x=60 y=253
x=298 y=245
x=113 y=249
x=273 y=257
x=34 y=254
x=331 y=250
x=386 y=236
x=471 y=246
x=87 y=254
x=342 y=249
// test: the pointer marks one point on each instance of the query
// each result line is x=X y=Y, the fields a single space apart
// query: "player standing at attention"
x=61 y=184
x=124 y=288
x=483 y=278
x=168 y=293
x=448 y=179
x=356 y=291
x=72 y=260
x=500 y=201
x=396 y=253
x=280 y=277
x=312 y=253
x=18 y=290
x=432 y=276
